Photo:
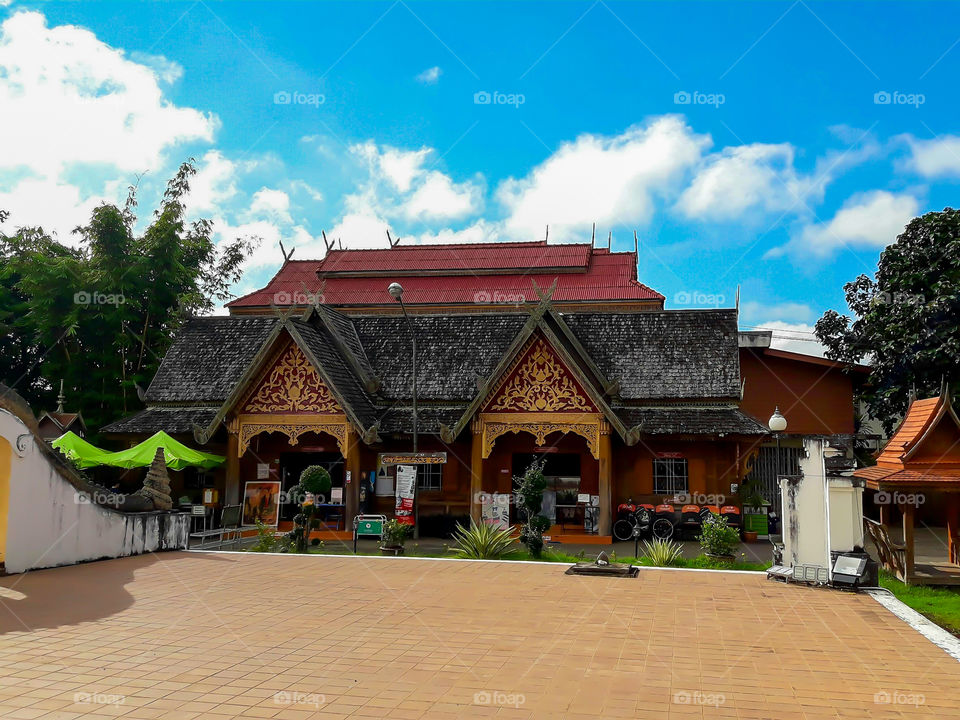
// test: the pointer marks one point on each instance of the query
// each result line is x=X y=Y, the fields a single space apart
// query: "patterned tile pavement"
x=195 y=635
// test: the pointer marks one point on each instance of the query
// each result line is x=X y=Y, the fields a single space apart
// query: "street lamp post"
x=777 y=424
x=396 y=292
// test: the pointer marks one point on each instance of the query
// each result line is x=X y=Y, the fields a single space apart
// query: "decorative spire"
x=61 y=398
x=156 y=486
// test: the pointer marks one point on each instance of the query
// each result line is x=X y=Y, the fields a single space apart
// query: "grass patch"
x=942 y=605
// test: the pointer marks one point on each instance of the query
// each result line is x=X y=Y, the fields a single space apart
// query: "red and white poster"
x=406 y=482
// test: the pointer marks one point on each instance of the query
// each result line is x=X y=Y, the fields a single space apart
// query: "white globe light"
x=777 y=423
x=395 y=290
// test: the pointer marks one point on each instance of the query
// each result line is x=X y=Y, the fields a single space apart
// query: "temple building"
x=524 y=351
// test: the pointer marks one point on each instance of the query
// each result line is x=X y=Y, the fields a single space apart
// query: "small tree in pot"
x=394 y=535
x=315 y=481
x=529 y=489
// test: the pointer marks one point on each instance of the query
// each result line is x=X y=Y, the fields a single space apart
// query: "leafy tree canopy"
x=906 y=321
x=101 y=315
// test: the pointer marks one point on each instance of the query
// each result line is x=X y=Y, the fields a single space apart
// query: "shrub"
x=529 y=489
x=663 y=553
x=718 y=538
x=267 y=540
x=394 y=533
x=482 y=542
x=316 y=480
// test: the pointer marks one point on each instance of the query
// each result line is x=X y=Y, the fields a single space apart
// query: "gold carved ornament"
x=292 y=386
x=541 y=384
x=293 y=431
x=590 y=431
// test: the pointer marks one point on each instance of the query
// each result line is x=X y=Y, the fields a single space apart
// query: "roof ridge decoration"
x=536 y=322
x=360 y=365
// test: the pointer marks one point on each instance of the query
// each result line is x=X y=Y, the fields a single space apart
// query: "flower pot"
x=391 y=549
x=750 y=536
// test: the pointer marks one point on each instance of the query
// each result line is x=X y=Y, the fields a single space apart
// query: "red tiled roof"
x=489 y=272
x=488 y=257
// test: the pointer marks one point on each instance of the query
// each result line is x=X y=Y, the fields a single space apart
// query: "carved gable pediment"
x=538 y=382
x=291 y=385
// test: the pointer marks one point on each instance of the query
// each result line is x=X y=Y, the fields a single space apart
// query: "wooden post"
x=351 y=492
x=606 y=474
x=953 y=520
x=908 y=541
x=476 y=474
x=885 y=514
x=231 y=489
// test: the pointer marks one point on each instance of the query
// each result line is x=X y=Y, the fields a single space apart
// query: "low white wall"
x=51 y=522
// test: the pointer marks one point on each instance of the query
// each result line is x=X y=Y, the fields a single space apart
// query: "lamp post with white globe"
x=396 y=292
x=777 y=424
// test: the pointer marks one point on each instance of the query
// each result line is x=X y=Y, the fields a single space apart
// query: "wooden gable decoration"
x=539 y=382
x=291 y=385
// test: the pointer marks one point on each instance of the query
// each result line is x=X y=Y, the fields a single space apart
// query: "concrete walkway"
x=205 y=635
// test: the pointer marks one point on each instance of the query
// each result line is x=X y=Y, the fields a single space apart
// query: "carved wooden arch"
x=293 y=426
x=589 y=426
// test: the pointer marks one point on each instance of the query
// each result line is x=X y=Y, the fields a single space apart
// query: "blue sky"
x=774 y=146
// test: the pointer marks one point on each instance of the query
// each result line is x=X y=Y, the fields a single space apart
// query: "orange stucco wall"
x=816 y=399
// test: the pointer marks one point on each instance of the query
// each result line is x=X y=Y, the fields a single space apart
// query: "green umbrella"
x=177 y=455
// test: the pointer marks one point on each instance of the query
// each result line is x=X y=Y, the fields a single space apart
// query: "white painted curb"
x=929 y=629
x=564 y=564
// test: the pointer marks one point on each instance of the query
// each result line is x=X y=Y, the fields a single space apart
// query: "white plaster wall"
x=846 y=515
x=51 y=523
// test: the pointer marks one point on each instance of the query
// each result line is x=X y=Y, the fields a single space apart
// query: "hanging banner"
x=495 y=509
x=406 y=482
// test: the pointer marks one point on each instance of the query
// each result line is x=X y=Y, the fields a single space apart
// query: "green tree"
x=101 y=315
x=905 y=321
x=528 y=489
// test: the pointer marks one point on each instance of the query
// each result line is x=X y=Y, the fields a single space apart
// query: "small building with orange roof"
x=920 y=465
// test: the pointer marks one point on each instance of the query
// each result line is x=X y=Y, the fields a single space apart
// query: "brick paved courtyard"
x=191 y=635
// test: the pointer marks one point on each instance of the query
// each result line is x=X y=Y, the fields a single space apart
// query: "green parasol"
x=177 y=455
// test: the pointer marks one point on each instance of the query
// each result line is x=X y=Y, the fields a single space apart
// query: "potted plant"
x=717 y=539
x=394 y=535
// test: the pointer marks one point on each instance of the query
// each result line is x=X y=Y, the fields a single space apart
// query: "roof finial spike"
x=609 y=239
x=944 y=388
x=737 y=301
x=546 y=236
x=393 y=243
x=286 y=255
x=61 y=398
x=328 y=243
x=636 y=243
x=593 y=235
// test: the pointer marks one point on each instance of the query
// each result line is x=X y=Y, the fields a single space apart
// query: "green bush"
x=528 y=489
x=394 y=533
x=267 y=540
x=663 y=553
x=315 y=479
x=718 y=538
x=482 y=542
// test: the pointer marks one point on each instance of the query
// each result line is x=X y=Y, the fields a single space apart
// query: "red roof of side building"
x=457 y=274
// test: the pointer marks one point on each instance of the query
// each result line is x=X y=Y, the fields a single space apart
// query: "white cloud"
x=935 y=158
x=867 y=220
x=71 y=101
x=790 y=311
x=398 y=167
x=214 y=184
x=85 y=100
x=430 y=76
x=301 y=186
x=747 y=177
x=441 y=198
x=793 y=337
x=608 y=180
x=271 y=203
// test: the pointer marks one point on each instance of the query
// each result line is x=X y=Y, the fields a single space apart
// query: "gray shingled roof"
x=673 y=354
x=453 y=350
x=345 y=383
x=208 y=356
x=691 y=421
x=168 y=419
x=676 y=355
